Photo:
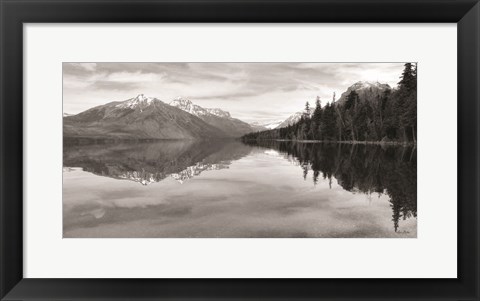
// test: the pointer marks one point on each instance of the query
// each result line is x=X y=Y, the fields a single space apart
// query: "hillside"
x=218 y=118
x=138 y=118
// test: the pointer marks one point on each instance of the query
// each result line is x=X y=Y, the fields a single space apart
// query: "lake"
x=232 y=189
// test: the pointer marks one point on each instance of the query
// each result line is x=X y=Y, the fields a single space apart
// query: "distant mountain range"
x=144 y=117
x=258 y=126
x=261 y=126
x=218 y=118
x=291 y=120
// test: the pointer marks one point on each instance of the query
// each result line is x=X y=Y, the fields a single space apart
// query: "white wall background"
x=432 y=254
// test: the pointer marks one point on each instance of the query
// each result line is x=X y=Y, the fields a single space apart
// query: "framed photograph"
x=239 y=150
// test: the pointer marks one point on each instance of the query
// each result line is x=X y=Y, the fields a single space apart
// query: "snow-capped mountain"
x=273 y=125
x=143 y=117
x=368 y=84
x=188 y=106
x=365 y=90
x=218 y=118
x=277 y=124
x=140 y=117
x=219 y=113
x=140 y=101
x=266 y=125
x=291 y=120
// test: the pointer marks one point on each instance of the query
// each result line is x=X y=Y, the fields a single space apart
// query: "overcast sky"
x=249 y=91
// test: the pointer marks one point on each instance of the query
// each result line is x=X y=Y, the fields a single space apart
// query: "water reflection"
x=360 y=168
x=234 y=189
x=150 y=162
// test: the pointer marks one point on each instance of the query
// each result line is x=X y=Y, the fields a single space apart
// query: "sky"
x=252 y=92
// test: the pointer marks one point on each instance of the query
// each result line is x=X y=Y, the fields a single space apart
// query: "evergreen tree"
x=328 y=125
x=316 y=120
x=408 y=78
x=407 y=102
x=317 y=113
x=306 y=112
x=351 y=114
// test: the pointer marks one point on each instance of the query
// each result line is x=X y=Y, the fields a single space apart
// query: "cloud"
x=134 y=77
x=104 y=80
x=112 y=85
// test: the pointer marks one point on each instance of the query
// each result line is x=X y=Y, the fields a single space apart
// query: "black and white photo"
x=239 y=150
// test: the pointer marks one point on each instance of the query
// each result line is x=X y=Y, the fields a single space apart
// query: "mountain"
x=262 y=126
x=290 y=120
x=66 y=114
x=219 y=113
x=257 y=126
x=140 y=117
x=188 y=106
x=218 y=118
x=365 y=90
x=196 y=170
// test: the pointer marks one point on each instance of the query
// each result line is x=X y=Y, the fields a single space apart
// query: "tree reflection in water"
x=359 y=168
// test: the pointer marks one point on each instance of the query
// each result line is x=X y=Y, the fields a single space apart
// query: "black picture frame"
x=14 y=13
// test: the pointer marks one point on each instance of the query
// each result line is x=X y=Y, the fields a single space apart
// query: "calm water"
x=231 y=189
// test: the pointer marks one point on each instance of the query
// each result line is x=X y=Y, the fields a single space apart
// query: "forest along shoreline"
x=394 y=143
x=370 y=116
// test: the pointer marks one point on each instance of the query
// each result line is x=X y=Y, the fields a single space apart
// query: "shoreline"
x=98 y=140
x=396 y=143
x=68 y=141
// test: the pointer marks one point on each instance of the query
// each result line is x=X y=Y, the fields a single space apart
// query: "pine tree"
x=316 y=120
x=317 y=113
x=408 y=78
x=306 y=113
x=407 y=102
x=328 y=125
x=351 y=114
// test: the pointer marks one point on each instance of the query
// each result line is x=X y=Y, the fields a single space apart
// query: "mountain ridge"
x=365 y=90
x=138 y=118
x=216 y=117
